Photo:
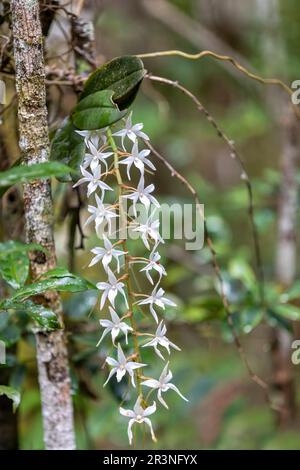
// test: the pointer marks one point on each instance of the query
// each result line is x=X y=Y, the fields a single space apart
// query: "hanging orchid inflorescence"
x=104 y=159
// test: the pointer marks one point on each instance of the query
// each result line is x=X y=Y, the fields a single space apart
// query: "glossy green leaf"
x=42 y=316
x=291 y=312
x=26 y=173
x=96 y=111
x=12 y=394
x=68 y=147
x=14 y=262
x=122 y=75
x=57 y=279
x=292 y=293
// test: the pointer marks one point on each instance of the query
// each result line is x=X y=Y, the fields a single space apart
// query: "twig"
x=244 y=176
x=253 y=376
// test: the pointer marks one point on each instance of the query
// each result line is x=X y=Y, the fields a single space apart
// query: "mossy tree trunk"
x=52 y=356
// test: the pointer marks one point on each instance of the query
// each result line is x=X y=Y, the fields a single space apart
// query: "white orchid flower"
x=121 y=366
x=139 y=415
x=100 y=213
x=96 y=157
x=106 y=254
x=111 y=289
x=156 y=298
x=138 y=159
x=114 y=327
x=154 y=264
x=160 y=339
x=163 y=385
x=94 y=137
x=131 y=131
x=142 y=194
x=94 y=181
x=149 y=230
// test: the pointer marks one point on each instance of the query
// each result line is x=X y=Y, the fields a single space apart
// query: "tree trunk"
x=52 y=357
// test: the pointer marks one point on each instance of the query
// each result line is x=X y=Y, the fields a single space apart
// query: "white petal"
x=148 y=422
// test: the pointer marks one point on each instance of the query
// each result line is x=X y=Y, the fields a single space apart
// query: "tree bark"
x=52 y=356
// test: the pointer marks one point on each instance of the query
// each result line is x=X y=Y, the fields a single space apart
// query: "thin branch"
x=234 y=62
x=244 y=176
x=253 y=376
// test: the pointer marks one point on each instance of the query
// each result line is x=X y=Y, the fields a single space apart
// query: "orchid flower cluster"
x=105 y=158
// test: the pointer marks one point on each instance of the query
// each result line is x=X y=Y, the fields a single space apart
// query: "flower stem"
x=123 y=224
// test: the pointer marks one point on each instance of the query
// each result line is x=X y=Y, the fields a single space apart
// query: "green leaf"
x=247 y=319
x=12 y=394
x=57 y=279
x=14 y=262
x=122 y=75
x=96 y=111
x=291 y=312
x=68 y=147
x=26 y=173
x=120 y=79
x=293 y=293
x=43 y=316
x=240 y=269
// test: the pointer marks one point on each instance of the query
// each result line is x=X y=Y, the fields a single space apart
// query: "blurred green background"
x=226 y=410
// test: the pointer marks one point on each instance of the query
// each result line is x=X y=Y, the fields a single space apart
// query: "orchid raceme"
x=119 y=289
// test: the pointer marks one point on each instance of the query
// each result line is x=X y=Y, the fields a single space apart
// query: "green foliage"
x=68 y=147
x=14 y=262
x=26 y=173
x=122 y=75
x=105 y=98
x=96 y=111
x=42 y=316
x=12 y=394
x=56 y=279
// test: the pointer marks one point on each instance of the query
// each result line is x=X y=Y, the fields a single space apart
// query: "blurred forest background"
x=227 y=410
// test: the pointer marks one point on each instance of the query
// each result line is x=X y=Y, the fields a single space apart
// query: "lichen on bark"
x=52 y=356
